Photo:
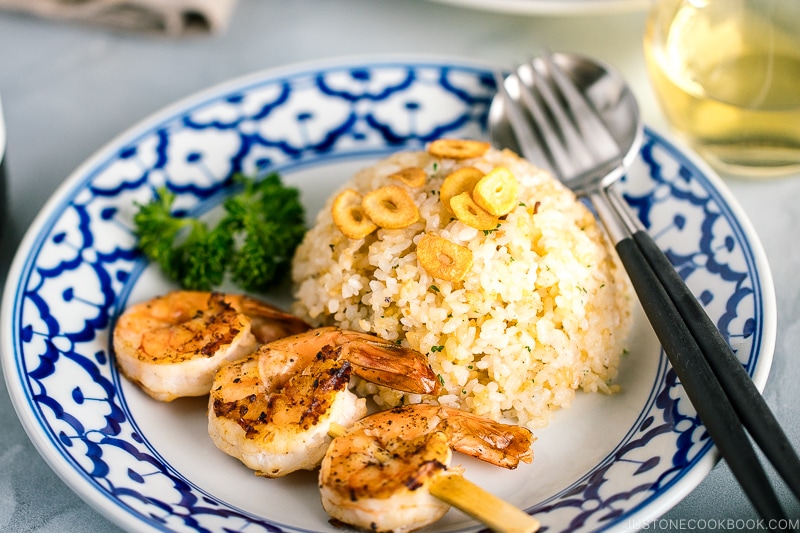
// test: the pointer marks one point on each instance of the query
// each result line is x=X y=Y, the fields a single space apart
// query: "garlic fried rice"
x=516 y=314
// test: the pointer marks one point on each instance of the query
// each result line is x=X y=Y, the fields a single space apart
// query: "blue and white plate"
x=608 y=463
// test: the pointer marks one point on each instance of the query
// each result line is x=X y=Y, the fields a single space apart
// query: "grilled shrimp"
x=172 y=345
x=377 y=475
x=273 y=410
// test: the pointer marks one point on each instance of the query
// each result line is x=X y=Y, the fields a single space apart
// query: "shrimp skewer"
x=172 y=345
x=273 y=410
x=390 y=471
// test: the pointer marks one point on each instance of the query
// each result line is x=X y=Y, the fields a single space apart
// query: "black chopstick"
x=740 y=389
x=723 y=394
x=749 y=404
x=704 y=391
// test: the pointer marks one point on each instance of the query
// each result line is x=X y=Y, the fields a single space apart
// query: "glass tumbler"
x=727 y=76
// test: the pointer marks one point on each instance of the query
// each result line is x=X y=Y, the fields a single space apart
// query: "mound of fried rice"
x=544 y=310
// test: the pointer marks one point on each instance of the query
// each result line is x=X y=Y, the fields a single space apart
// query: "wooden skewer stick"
x=469 y=498
x=472 y=500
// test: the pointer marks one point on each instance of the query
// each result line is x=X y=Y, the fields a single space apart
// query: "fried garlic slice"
x=442 y=258
x=458 y=148
x=411 y=176
x=470 y=213
x=349 y=215
x=497 y=191
x=390 y=207
x=460 y=180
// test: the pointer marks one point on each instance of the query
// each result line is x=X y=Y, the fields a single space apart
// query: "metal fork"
x=557 y=128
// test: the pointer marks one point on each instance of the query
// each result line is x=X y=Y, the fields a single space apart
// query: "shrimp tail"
x=503 y=445
x=392 y=365
x=270 y=323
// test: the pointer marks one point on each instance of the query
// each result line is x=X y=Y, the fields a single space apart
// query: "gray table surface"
x=67 y=89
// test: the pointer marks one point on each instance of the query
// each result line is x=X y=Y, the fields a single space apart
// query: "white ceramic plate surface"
x=552 y=7
x=608 y=463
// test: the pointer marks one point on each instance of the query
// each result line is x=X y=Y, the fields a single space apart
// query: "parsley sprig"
x=253 y=242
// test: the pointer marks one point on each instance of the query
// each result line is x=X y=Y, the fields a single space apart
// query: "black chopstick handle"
x=751 y=407
x=698 y=380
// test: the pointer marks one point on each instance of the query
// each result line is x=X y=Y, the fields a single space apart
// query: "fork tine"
x=603 y=144
x=554 y=124
x=568 y=149
x=526 y=137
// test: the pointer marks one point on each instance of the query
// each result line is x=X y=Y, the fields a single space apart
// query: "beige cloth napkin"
x=166 y=17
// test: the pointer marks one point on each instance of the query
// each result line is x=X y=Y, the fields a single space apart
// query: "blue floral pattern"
x=81 y=263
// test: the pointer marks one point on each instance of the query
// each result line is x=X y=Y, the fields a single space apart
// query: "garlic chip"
x=460 y=180
x=411 y=176
x=390 y=207
x=349 y=216
x=497 y=192
x=442 y=258
x=471 y=214
x=458 y=148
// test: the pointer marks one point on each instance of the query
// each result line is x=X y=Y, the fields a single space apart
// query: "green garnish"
x=253 y=242
x=486 y=232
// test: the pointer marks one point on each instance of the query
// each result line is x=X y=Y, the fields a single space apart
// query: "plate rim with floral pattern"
x=77 y=267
